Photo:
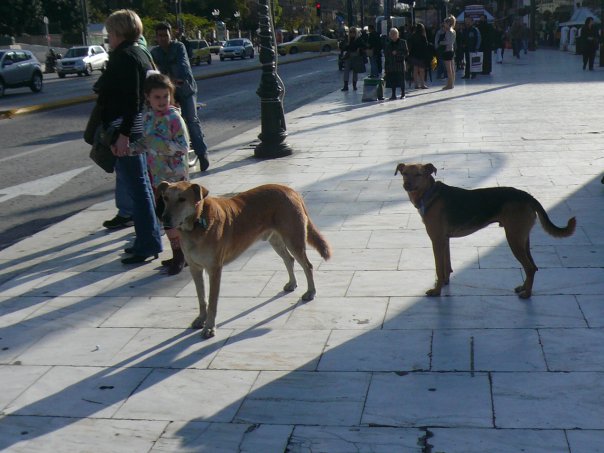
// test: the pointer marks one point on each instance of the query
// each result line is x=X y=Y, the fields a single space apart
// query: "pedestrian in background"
x=167 y=144
x=439 y=46
x=374 y=51
x=449 y=52
x=420 y=54
x=171 y=59
x=498 y=42
x=486 y=44
x=121 y=97
x=395 y=54
x=471 y=43
x=353 y=54
x=589 y=42
x=516 y=32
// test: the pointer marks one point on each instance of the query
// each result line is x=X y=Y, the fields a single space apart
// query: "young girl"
x=167 y=144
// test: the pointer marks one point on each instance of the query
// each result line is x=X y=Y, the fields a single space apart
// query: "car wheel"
x=293 y=50
x=88 y=70
x=1 y=88
x=36 y=82
x=210 y=59
x=221 y=58
x=61 y=75
x=252 y=54
x=104 y=67
x=326 y=48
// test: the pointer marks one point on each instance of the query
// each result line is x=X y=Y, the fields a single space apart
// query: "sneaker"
x=118 y=222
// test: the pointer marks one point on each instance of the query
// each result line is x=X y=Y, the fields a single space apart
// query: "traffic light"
x=318 y=8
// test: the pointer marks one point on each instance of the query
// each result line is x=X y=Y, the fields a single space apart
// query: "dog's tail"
x=549 y=227
x=317 y=241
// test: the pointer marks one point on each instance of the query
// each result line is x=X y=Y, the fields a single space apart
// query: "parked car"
x=215 y=48
x=82 y=60
x=19 y=68
x=308 y=43
x=200 y=51
x=237 y=48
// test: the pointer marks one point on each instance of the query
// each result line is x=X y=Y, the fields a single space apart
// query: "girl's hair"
x=451 y=19
x=126 y=24
x=161 y=81
x=419 y=28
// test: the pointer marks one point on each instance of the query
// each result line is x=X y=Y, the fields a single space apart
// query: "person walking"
x=166 y=141
x=449 y=52
x=471 y=43
x=420 y=54
x=395 y=54
x=353 y=55
x=121 y=98
x=171 y=59
x=589 y=38
x=498 y=42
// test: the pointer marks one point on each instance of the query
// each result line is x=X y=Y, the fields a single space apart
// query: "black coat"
x=396 y=63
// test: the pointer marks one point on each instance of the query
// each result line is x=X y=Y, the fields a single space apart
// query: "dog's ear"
x=399 y=167
x=429 y=169
x=199 y=191
x=162 y=187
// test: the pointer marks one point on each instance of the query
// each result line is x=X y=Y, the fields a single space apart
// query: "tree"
x=19 y=16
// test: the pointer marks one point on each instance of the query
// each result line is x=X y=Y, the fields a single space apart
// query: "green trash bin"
x=373 y=89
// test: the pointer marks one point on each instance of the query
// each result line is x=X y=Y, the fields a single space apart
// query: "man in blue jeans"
x=171 y=59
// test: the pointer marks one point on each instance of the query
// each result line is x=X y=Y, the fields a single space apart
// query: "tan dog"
x=215 y=231
x=450 y=212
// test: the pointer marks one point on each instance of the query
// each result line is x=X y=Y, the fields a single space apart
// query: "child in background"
x=167 y=144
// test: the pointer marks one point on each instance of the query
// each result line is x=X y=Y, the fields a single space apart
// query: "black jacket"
x=120 y=88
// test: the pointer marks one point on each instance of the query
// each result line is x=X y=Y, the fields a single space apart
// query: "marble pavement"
x=98 y=357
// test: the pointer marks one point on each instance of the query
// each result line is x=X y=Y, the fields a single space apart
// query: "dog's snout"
x=407 y=186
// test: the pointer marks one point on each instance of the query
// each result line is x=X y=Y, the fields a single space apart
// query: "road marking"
x=32 y=151
x=42 y=186
x=306 y=75
x=236 y=93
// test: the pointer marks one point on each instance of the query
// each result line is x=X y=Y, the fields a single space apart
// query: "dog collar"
x=201 y=221
x=426 y=200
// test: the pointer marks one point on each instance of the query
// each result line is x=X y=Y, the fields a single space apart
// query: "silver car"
x=237 y=48
x=82 y=60
x=19 y=68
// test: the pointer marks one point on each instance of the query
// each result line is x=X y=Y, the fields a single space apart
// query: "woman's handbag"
x=93 y=123
x=101 y=152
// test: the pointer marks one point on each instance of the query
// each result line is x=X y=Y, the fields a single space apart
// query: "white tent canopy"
x=579 y=16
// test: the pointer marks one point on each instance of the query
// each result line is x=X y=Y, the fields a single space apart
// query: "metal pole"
x=601 y=36
x=85 y=23
x=362 y=14
x=272 y=136
x=349 y=13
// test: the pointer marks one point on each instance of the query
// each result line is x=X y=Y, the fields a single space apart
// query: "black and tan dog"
x=215 y=231
x=450 y=212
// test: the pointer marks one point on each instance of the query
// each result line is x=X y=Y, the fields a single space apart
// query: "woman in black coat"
x=589 y=41
x=395 y=54
x=353 y=49
x=420 y=55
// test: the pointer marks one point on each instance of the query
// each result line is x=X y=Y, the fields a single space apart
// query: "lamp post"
x=601 y=35
x=215 y=15
x=237 y=16
x=272 y=135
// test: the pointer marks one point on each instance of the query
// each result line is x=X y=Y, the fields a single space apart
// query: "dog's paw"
x=309 y=295
x=434 y=292
x=208 y=333
x=198 y=322
x=522 y=292
x=290 y=287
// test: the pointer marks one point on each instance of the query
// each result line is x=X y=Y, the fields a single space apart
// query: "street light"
x=215 y=14
x=237 y=16
x=272 y=135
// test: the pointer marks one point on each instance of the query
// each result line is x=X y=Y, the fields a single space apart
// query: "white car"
x=237 y=48
x=82 y=60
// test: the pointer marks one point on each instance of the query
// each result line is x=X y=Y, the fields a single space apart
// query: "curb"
x=6 y=114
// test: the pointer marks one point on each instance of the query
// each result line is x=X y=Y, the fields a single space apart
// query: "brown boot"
x=177 y=262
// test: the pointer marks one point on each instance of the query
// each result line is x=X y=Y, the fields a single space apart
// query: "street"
x=45 y=170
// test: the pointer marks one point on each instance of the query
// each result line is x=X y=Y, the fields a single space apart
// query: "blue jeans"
x=136 y=183
x=376 y=65
x=123 y=200
x=188 y=108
